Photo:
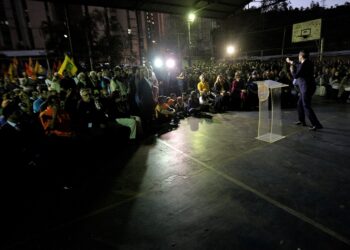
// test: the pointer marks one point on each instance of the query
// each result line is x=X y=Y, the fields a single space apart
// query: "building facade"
x=142 y=34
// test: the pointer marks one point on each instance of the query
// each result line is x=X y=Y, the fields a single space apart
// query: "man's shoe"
x=314 y=128
x=300 y=123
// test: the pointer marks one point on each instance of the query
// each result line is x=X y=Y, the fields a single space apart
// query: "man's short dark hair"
x=305 y=54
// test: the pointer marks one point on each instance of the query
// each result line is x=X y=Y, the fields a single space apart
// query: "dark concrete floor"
x=207 y=185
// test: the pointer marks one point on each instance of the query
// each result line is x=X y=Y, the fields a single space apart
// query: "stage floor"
x=209 y=184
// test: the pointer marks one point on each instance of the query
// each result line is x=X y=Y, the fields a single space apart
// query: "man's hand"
x=289 y=61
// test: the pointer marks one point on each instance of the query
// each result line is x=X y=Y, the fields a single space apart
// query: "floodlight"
x=170 y=63
x=230 y=49
x=158 y=63
x=191 y=17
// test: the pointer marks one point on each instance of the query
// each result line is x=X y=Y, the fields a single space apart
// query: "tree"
x=314 y=5
x=54 y=34
x=274 y=5
x=106 y=39
x=95 y=30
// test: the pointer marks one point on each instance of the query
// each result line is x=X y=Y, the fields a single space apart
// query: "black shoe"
x=300 y=123
x=314 y=128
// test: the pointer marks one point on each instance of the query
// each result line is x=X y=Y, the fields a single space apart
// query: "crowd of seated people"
x=332 y=77
x=121 y=105
x=333 y=80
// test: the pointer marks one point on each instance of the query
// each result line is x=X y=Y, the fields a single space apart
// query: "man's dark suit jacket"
x=305 y=76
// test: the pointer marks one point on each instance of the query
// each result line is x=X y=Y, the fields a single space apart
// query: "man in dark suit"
x=304 y=76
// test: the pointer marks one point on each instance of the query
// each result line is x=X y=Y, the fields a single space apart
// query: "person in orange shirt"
x=55 y=120
x=163 y=110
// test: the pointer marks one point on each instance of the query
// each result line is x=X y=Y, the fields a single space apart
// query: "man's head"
x=254 y=74
x=303 y=55
x=237 y=75
x=85 y=95
x=53 y=100
x=93 y=75
x=81 y=77
x=143 y=72
x=179 y=100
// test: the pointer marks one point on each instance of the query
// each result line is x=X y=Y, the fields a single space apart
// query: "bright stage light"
x=230 y=49
x=170 y=63
x=158 y=63
x=191 y=17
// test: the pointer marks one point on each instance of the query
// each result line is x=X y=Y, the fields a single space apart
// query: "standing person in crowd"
x=304 y=75
x=181 y=83
x=83 y=81
x=42 y=96
x=95 y=82
x=119 y=82
x=54 y=83
x=67 y=82
x=144 y=94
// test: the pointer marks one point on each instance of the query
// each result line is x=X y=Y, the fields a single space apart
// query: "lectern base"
x=270 y=137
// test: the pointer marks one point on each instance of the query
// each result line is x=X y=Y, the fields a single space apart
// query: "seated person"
x=172 y=100
x=181 y=109
x=90 y=116
x=205 y=96
x=221 y=92
x=164 y=113
x=55 y=120
x=203 y=85
x=344 y=86
x=238 y=92
x=193 y=104
x=118 y=110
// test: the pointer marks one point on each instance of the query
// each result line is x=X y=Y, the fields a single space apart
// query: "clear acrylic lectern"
x=270 y=122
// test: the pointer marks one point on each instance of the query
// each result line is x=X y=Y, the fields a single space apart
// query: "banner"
x=36 y=68
x=69 y=66
x=29 y=69
x=15 y=66
x=10 y=72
